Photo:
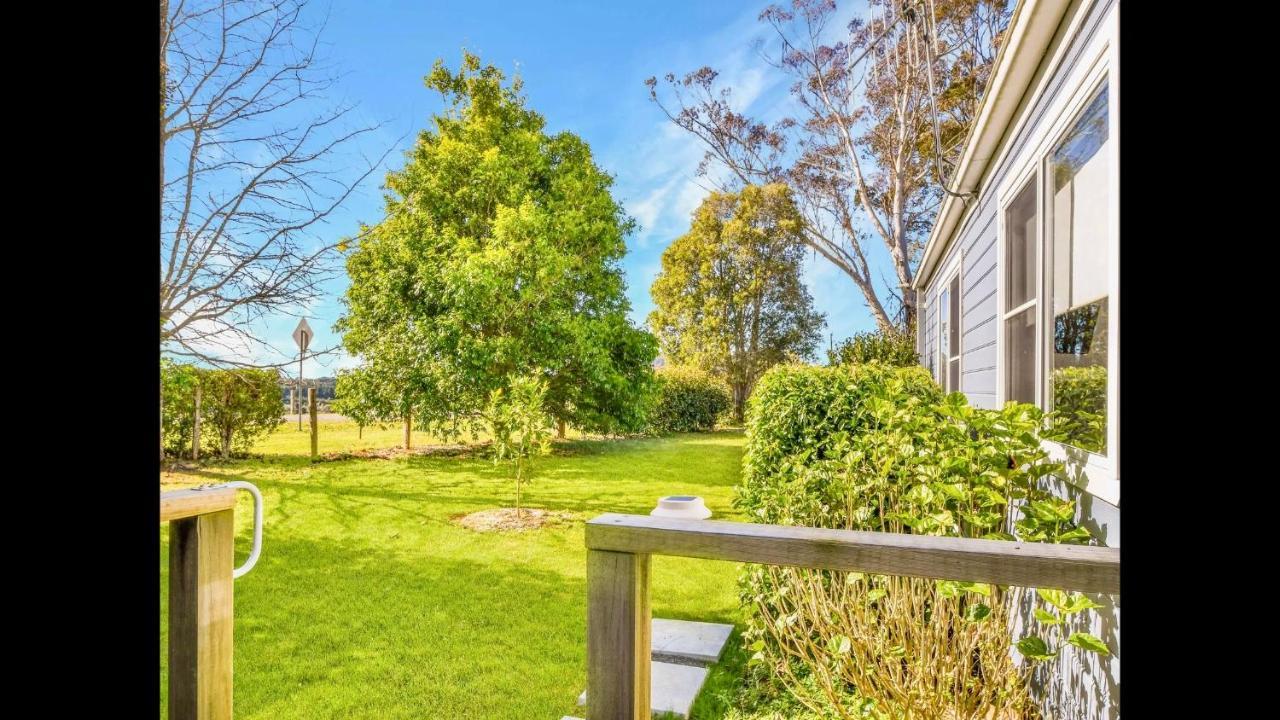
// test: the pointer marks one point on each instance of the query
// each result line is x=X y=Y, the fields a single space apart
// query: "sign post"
x=302 y=336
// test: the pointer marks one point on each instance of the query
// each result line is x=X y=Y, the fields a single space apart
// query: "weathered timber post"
x=315 y=426
x=200 y=616
x=618 y=636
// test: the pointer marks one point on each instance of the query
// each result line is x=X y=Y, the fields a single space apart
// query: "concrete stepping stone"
x=687 y=642
x=672 y=688
x=682 y=650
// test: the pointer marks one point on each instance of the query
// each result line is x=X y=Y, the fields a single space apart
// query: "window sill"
x=1090 y=472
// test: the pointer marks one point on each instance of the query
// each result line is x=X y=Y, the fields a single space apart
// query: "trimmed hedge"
x=800 y=416
x=873 y=447
x=688 y=400
x=893 y=348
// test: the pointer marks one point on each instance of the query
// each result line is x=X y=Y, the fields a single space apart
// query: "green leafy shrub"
x=890 y=347
x=688 y=400
x=177 y=395
x=237 y=407
x=878 y=448
x=1080 y=406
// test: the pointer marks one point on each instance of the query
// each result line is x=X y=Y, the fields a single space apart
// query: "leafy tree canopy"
x=730 y=298
x=498 y=257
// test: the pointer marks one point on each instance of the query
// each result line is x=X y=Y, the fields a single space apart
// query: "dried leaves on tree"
x=860 y=143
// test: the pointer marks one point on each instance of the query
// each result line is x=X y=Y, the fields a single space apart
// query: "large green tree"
x=730 y=298
x=498 y=257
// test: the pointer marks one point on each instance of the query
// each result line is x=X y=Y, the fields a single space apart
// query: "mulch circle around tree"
x=506 y=519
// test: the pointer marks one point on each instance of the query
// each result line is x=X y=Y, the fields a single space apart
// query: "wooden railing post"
x=618 y=642
x=200 y=615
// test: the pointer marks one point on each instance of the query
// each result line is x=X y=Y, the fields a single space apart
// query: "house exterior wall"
x=1078 y=684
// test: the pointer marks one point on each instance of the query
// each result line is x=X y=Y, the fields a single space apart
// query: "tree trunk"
x=162 y=422
x=518 y=479
x=560 y=428
x=226 y=427
x=739 y=402
x=195 y=433
x=408 y=430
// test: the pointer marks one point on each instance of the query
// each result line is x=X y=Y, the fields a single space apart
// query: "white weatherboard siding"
x=1079 y=684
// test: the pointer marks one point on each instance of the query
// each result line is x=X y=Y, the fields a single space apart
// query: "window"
x=1057 y=254
x=1078 y=275
x=922 y=316
x=1022 y=268
x=949 y=336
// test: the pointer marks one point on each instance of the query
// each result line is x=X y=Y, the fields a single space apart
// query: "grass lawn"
x=370 y=602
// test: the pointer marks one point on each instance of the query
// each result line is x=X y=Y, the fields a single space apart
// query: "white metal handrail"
x=256 y=550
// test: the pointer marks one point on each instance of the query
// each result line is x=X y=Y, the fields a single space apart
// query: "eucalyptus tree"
x=880 y=109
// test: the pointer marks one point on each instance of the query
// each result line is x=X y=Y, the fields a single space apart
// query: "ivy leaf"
x=982 y=589
x=1046 y=617
x=978 y=613
x=1088 y=642
x=1078 y=603
x=1056 y=598
x=1034 y=648
x=1074 y=534
x=840 y=645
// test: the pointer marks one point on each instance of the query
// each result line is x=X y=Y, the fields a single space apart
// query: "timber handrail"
x=179 y=504
x=1068 y=567
x=619 y=547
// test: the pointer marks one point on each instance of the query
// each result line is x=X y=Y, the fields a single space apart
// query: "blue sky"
x=584 y=66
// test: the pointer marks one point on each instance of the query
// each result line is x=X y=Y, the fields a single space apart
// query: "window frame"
x=1099 y=475
x=922 y=327
x=951 y=274
x=1032 y=176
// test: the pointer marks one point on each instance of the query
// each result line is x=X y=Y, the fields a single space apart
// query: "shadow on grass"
x=327 y=629
x=336 y=629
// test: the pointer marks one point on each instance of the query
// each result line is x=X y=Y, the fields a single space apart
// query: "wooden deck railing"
x=619 y=547
x=201 y=535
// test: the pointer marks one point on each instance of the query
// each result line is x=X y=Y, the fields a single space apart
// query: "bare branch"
x=244 y=212
x=863 y=139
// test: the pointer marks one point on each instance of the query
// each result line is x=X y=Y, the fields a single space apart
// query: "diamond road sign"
x=302 y=335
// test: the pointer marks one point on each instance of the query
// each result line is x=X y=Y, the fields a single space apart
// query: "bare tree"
x=248 y=175
x=879 y=114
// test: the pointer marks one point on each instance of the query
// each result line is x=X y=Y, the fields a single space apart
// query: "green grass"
x=369 y=601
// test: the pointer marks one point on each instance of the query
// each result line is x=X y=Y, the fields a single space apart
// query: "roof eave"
x=1031 y=30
